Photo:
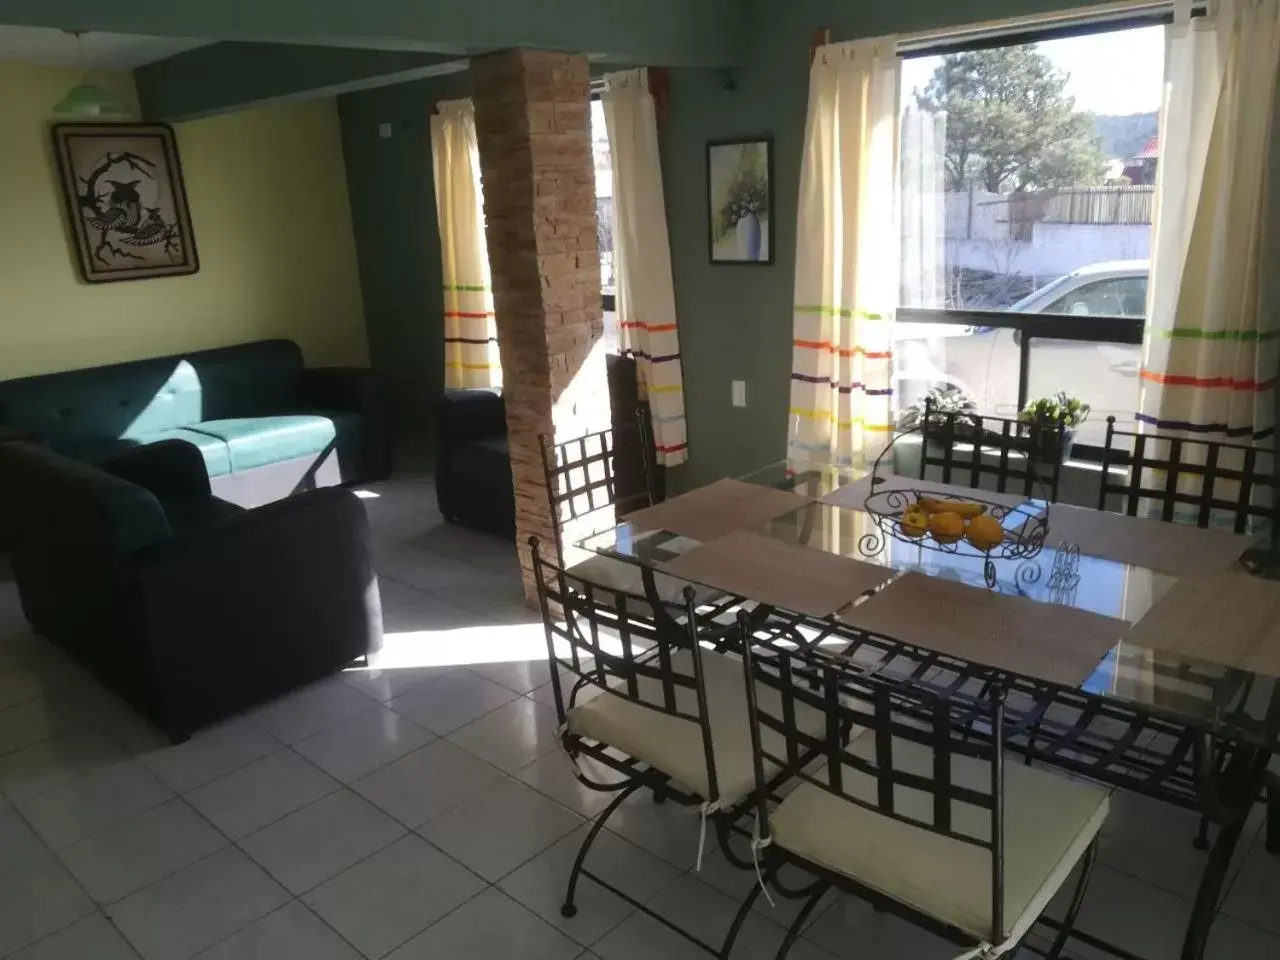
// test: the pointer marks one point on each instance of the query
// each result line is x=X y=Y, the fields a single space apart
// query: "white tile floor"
x=420 y=809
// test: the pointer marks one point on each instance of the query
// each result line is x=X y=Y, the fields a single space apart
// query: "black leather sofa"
x=189 y=607
x=473 y=465
x=266 y=426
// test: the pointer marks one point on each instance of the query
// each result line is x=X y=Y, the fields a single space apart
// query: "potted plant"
x=1044 y=415
x=943 y=400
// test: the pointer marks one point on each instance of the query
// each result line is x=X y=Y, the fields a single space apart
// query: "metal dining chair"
x=908 y=814
x=1023 y=458
x=654 y=710
x=1205 y=482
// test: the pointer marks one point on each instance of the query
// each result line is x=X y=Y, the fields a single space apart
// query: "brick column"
x=533 y=127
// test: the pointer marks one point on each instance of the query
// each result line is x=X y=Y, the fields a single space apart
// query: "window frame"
x=609 y=301
x=1040 y=326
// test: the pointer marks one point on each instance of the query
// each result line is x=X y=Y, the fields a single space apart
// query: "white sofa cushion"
x=673 y=744
x=1050 y=821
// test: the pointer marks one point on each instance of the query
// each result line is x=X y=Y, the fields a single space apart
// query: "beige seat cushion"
x=674 y=745
x=1049 y=823
x=628 y=578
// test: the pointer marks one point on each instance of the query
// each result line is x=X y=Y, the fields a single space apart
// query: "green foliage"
x=943 y=399
x=748 y=192
x=1010 y=124
x=1061 y=407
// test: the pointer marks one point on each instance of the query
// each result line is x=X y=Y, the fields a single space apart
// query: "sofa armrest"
x=355 y=390
x=470 y=414
x=170 y=469
x=258 y=604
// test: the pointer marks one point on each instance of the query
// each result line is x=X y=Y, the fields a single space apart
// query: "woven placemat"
x=778 y=573
x=1047 y=641
x=1176 y=548
x=1225 y=617
x=853 y=496
x=716 y=509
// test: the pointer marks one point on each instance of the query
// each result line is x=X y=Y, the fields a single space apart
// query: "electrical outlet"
x=384 y=130
x=739 y=393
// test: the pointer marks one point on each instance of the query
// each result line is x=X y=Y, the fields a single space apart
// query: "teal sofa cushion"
x=257 y=441
x=78 y=412
x=216 y=453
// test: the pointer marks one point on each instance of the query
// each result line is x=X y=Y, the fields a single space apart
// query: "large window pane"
x=1030 y=167
x=1103 y=375
x=983 y=365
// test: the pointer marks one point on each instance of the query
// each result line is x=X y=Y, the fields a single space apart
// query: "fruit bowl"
x=959 y=525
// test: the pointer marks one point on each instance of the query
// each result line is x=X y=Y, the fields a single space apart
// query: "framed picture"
x=740 y=197
x=126 y=200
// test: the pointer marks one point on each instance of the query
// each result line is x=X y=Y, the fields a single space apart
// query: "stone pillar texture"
x=533 y=128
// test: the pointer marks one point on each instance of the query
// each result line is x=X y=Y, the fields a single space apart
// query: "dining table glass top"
x=1173 y=684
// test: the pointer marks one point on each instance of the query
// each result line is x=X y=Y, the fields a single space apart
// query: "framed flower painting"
x=740 y=199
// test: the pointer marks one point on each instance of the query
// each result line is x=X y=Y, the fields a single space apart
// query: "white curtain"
x=1210 y=351
x=646 y=299
x=470 y=337
x=847 y=255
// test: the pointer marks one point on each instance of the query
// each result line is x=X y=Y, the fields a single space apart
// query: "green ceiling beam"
x=233 y=76
x=656 y=32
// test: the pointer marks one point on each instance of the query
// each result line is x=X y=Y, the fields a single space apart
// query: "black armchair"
x=473 y=465
x=191 y=609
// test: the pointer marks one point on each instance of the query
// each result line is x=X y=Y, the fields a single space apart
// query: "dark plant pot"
x=1043 y=445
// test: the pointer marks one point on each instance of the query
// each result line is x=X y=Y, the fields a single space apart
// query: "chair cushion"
x=673 y=744
x=257 y=441
x=217 y=457
x=1050 y=821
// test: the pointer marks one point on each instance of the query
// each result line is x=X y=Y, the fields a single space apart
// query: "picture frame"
x=126 y=200
x=740 y=201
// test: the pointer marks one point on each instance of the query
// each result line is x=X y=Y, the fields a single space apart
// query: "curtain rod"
x=1118 y=15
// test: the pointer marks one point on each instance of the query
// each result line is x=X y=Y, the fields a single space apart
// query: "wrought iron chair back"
x=866 y=717
x=582 y=476
x=603 y=638
x=1028 y=456
x=1211 y=480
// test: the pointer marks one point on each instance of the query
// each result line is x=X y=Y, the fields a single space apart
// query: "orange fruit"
x=985 y=532
x=946 y=527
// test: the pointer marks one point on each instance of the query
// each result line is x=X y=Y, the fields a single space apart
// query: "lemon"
x=914 y=522
x=984 y=532
x=946 y=527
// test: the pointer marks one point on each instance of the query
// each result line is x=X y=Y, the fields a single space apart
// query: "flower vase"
x=748 y=229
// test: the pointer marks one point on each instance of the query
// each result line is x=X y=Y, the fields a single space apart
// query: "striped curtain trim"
x=851 y=352
x=478 y=341
x=1222 y=428
x=674 y=448
x=468 y=314
x=843 y=387
x=1208 y=383
x=835 y=418
x=465 y=288
x=670 y=388
x=1197 y=333
x=471 y=366
x=839 y=312
x=677 y=418
x=648 y=327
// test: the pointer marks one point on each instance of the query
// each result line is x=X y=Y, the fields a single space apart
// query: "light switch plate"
x=739 y=393
x=384 y=130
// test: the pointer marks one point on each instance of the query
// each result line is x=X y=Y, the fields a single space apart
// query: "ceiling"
x=102 y=51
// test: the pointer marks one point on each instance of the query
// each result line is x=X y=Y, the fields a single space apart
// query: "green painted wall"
x=394 y=217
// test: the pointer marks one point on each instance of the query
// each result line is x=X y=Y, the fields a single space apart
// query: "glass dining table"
x=1182 y=729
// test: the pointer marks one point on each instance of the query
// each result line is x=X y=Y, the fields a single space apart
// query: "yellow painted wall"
x=268 y=196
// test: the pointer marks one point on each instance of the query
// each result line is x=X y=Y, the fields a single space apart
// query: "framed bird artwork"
x=126 y=201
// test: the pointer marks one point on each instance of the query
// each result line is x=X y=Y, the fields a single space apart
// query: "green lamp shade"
x=88 y=100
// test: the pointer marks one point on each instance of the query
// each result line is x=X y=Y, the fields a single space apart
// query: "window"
x=604 y=220
x=1028 y=171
